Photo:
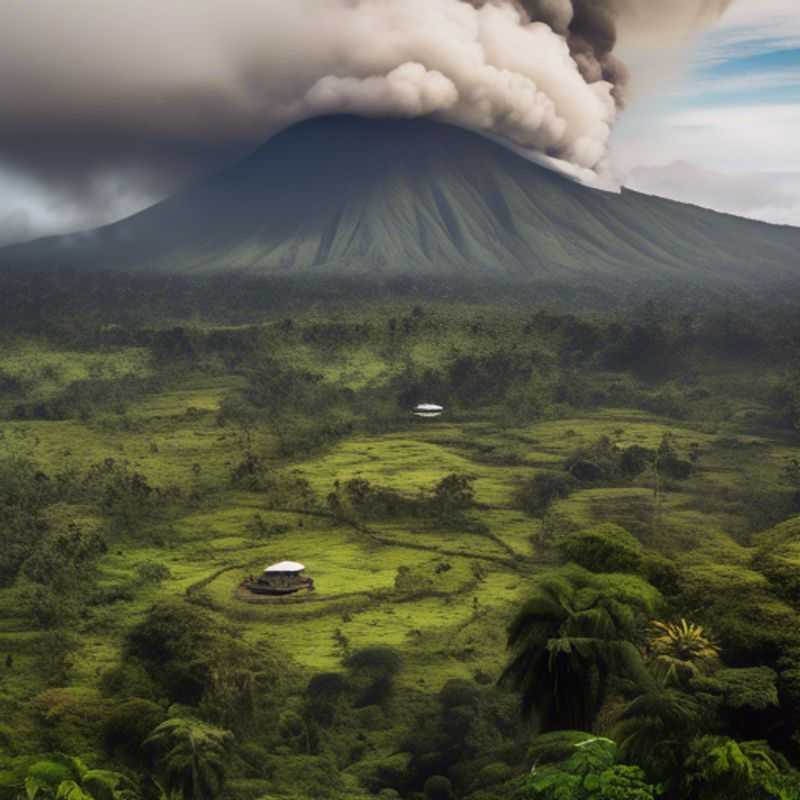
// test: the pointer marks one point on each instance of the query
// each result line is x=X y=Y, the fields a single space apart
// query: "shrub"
x=72 y=719
x=372 y=672
x=754 y=687
x=495 y=773
x=540 y=492
x=599 y=461
x=378 y=773
x=550 y=748
x=129 y=724
x=750 y=624
x=9 y=384
x=457 y=692
x=173 y=643
x=152 y=572
x=129 y=679
x=662 y=573
x=780 y=565
x=322 y=695
x=635 y=460
x=606 y=548
x=453 y=495
x=437 y=787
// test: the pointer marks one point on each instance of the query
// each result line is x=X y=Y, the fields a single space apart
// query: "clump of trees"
x=447 y=503
x=536 y=495
x=605 y=461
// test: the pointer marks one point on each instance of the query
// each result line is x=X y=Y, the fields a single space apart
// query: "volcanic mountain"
x=350 y=196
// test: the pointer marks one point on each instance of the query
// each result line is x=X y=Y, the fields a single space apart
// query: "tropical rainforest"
x=581 y=582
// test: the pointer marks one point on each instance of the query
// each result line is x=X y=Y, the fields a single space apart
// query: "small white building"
x=285 y=577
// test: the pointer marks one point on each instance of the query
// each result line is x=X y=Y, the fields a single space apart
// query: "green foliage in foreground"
x=589 y=773
x=62 y=778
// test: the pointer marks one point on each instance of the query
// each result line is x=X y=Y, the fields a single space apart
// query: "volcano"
x=350 y=196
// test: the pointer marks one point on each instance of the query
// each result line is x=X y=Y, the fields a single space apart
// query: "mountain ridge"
x=354 y=196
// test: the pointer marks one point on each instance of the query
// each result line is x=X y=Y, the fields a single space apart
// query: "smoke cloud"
x=160 y=92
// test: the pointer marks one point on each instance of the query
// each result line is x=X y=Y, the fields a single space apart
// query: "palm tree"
x=682 y=648
x=567 y=642
x=654 y=726
x=193 y=756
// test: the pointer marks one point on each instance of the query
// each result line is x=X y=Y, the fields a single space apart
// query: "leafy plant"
x=192 y=756
x=83 y=783
x=590 y=773
x=719 y=768
x=682 y=648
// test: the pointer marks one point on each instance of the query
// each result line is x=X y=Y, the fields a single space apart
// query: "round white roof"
x=428 y=407
x=285 y=566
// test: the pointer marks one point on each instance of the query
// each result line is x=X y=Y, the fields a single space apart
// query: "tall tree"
x=192 y=756
x=568 y=641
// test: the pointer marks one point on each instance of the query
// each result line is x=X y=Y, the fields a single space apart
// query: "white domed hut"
x=285 y=577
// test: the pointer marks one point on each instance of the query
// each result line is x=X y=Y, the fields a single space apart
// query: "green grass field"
x=172 y=431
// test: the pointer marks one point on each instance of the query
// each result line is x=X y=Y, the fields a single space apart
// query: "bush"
x=538 y=494
x=598 y=462
x=437 y=787
x=457 y=692
x=550 y=748
x=9 y=384
x=174 y=643
x=492 y=774
x=128 y=679
x=372 y=672
x=377 y=773
x=453 y=495
x=322 y=695
x=129 y=724
x=606 y=548
x=662 y=573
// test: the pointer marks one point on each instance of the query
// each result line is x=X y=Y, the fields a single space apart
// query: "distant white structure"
x=428 y=410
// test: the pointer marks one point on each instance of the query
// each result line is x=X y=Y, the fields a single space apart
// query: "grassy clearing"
x=45 y=370
x=355 y=574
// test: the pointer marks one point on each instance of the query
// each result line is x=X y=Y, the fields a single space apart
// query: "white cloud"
x=752 y=27
x=769 y=80
x=754 y=138
x=768 y=196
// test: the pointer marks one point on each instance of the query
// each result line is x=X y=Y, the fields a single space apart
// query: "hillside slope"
x=346 y=195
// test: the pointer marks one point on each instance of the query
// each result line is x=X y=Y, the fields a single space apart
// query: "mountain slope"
x=356 y=196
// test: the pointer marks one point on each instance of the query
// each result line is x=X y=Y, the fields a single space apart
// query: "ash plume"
x=172 y=90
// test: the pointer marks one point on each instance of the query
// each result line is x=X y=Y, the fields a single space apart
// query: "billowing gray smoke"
x=159 y=90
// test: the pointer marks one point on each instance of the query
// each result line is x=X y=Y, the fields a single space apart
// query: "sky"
x=728 y=134
x=117 y=106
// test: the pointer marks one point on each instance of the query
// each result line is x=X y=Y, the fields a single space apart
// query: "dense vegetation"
x=580 y=582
